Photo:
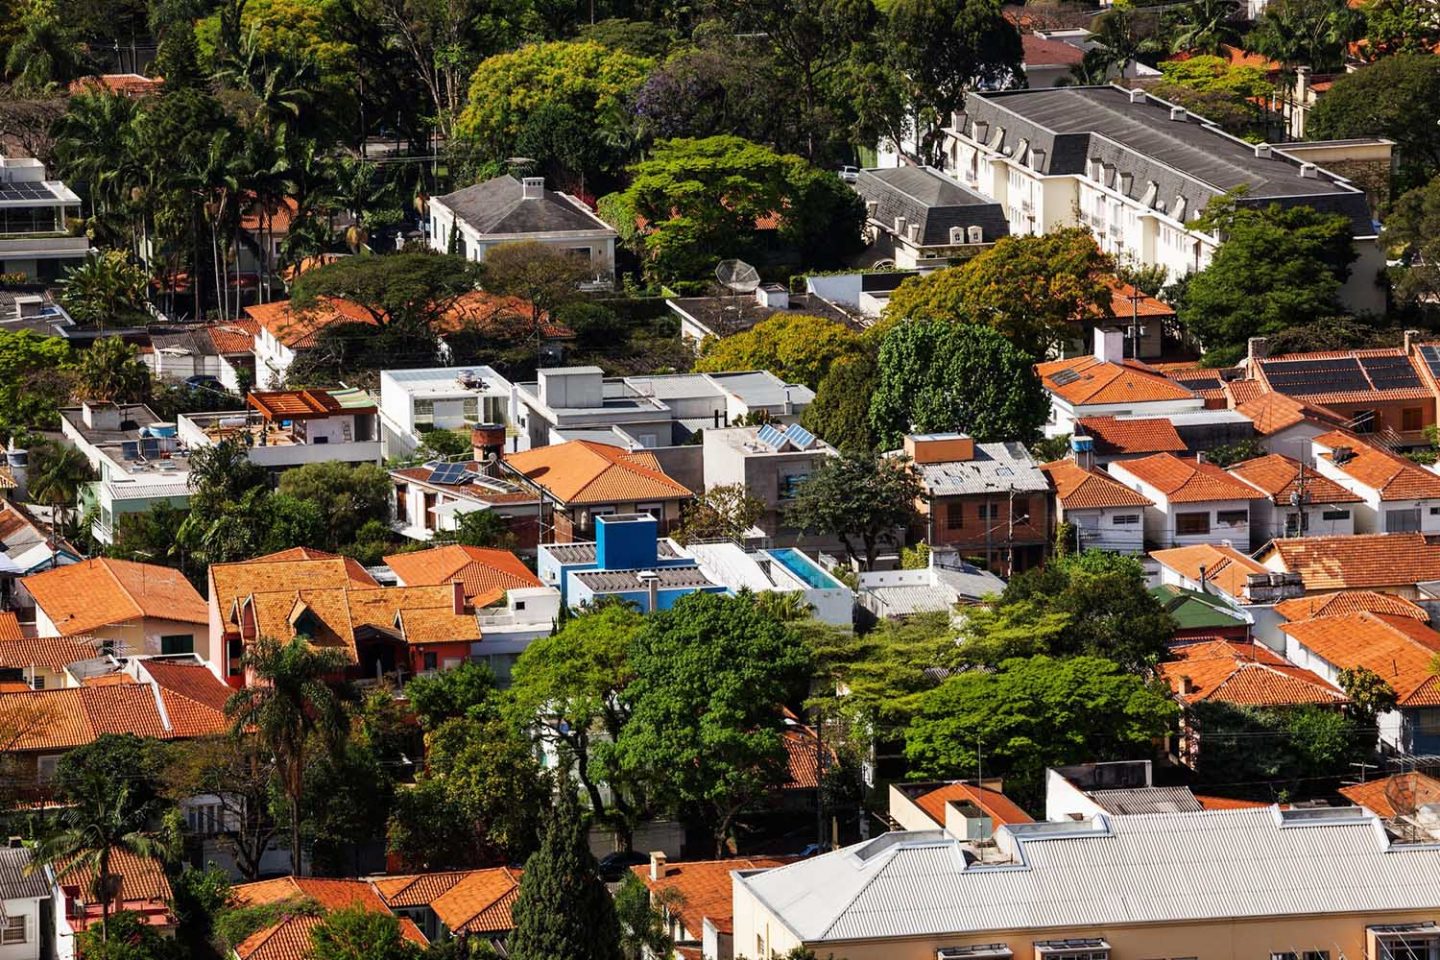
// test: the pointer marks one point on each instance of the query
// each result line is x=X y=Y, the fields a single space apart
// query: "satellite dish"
x=737 y=275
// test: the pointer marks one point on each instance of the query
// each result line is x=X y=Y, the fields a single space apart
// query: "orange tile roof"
x=123 y=84
x=1240 y=392
x=56 y=720
x=10 y=626
x=1225 y=567
x=1272 y=412
x=1247 y=674
x=802 y=766
x=1363 y=561
x=480 y=902
x=292 y=939
x=1144 y=306
x=283 y=571
x=1138 y=435
x=51 y=653
x=425 y=614
x=330 y=894
x=236 y=336
x=1393 y=476
x=1344 y=602
x=585 y=472
x=299 y=404
x=1394 y=796
x=1079 y=489
x=94 y=593
x=497 y=316
x=194 y=697
x=1278 y=477
x=486 y=573
x=1000 y=808
x=107 y=680
x=1184 y=481
x=1227 y=803
x=415 y=889
x=1096 y=382
x=143 y=878
x=1399 y=649
x=1376 y=391
x=702 y=889
x=280 y=215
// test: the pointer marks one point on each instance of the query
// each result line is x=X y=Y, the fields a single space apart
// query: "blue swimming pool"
x=803 y=567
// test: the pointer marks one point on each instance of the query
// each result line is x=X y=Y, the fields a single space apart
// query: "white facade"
x=20 y=925
x=1270 y=519
x=1225 y=522
x=137 y=456
x=1375 y=515
x=1391 y=722
x=446 y=398
x=1117 y=529
x=35 y=236
x=272 y=360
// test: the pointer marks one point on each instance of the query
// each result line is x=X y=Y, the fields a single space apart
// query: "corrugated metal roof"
x=996 y=467
x=14 y=884
x=1150 y=868
x=1147 y=800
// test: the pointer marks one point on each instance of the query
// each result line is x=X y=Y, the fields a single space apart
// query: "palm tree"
x=1205 y=26
x=101 y=821
x=90 y=144
x=57 y=472
x=47 y=52
x=288 y=705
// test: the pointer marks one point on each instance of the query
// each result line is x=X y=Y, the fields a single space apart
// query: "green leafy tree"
x=240 y=772
x=1204 y=27
x=840 y=413
x=127 y=936
x=347 y=496
x=793 y=346
x=106 y=290
x=1212 y=87
x=483 y=528
x=710 y=675
x=355 y=933
x=1275 y=268
x=862 y=501
x=544 y=276
x=35 y=381
x=1231 y=453
x=1394 y=26
x=111 y=763
x=450 y=693
x=1369 y=693
x=1032 y=289
x=1398 y=98
x=57 y=473
x=290 y=709
x=644 y=931
x=564 y=909
x=1036 y=713
x=47 y=53
x=948 y=375
x=111 y=371
x=1413 y=226
x=1314 y=33
x=724 y=511
x=358 y=792
x=1277 y=752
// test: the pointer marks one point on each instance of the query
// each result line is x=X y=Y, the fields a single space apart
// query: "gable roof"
x=1044 y=52
x=1370 y=560
x=1345 y=602
x=486 y=573
x=299 y=329
x=584 y=472
x=194 y=698
x=498 y=207
x=1225 y=567
x=1079 y=489
x=290 y=938
x=1128 y=302
x=1394 y=477
x=1184 y=481
x=702 y=889
x=1091 y=381
x=1131 y=435
x=61 y=719
x=998 y=807
x=281 y=571
x=82 y=596
x=51 y=653
x=15 y=883
x=1345 y=376
x=1399 y=649
x=1278 y=477
x=480 y=902
x=1394 y=796
x=10 y=626
x=143 y=878
x=1272 y=412
x=1246 y=674
x=1193 y=610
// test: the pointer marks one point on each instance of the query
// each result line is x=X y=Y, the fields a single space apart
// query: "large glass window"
x=424 y=412
x=179 y=643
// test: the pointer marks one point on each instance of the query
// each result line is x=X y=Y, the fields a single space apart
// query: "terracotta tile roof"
x=1095 y=382
x=1247 y=674
x=1225 y=567
x=1138 y=435
x=1000 y=808
x=57 y=720
x=1241 y=392
x=474 y=486
x=1390 y=797
x=107 y=680
x=1363 y=561
x=1393 y=476
x=494 y=315
x=480 y=902
x=1399 y=649
x=10 y=626
x=235 y=336
x=291 y=939
x=416 y=889
x=1125 y=308
x=1184 y=481
x=330 y=894
x=194 y=697
x=702 y=889
x=1227 y=803
x=1044 y=52
x=281 y=215
x=1377 y=391
x=283 y=571
x=802 y=765
x=51 y=653
x=94 y=593
x=1278 y=477
x=7 y=478
x=124 y=84
x=144 y=878
x=486 y=573
x=1345 y=602
x=425 y=614
x=584 y=472
x=1272 y=412
x=1079 y=489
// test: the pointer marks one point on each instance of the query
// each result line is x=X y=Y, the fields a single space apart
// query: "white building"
x=290 y=428
x=23 y=899
x=1298 y=501
x=1102 y=384
x=35 y=237
x=138 y=457
x=1106 y=514
x=440 y=398
x=1134 y=169
x=472 y=220
x=1396 y=495
x=1192 y=502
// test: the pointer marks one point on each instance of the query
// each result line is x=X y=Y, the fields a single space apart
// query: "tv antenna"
x=737 y=275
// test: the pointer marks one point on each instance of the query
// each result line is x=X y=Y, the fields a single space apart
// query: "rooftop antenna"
x=738 y=276
x=520 y=166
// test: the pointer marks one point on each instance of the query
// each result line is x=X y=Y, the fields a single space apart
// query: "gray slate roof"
x=1150 y=868
x=14 y=884
x=996 y=468
x=497 y=207
x=1191 y=159
x=925 y=196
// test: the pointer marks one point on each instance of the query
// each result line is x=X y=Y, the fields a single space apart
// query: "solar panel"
x=25 y=191
x=1431 y=356
x=448 y=473
x=1063 y=377
x=1316 y=376
x=1391 y=373
x=799 y=436
x=771 y=437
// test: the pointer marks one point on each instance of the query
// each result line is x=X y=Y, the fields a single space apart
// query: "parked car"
x=614 y=865
x=204 y=381
x=849 y=174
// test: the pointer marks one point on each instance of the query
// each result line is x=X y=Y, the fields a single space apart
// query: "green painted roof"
x=1194 y=610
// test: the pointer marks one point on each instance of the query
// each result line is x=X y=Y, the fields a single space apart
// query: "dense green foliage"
x=793 y=346
x=1398 y=98
x=862 y=501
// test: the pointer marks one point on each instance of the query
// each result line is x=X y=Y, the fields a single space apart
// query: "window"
x=656 y=510
x=1335 y=515
x=1125 y=519
x=1087 y=949
x=1427 y=722
x=1407 y=941
x=1412 y=418
x=1402 y=521
x=15 y=930
x=790 y=484
x=45 y=768
x=989 y=511
x=1232 y=517
x=470 y=408
x=204 y=819
x=424 y=412
x=954 y=516
x=1296 y=524
x=1192 y=524
x=1435 y=511
x=179 y=643
x=431 y=661
x=38 y=683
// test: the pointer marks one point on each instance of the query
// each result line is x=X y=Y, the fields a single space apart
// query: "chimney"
x=457 y=597
x=657 y=864
x=100 y=416
x=1177 y=114
x=1302 y=84
x=1187 y=686
x=1137 y=96
x=532 y=188
x=1256 y=348
x=1410 y=337
x=487 y=440
x=1262 y=151
x=1309 y=171
x=17 y=458
x=1109 y=345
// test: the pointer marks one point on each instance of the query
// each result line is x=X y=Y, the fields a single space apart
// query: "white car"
x=849 y=174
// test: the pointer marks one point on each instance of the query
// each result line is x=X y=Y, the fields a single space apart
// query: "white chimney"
x=1137 y=96
x=1178 y=114
x=1109 y=345
x=1262 y=151
x=532 y=188
x=1309 y=171
x=773 y=296
x=657 y=864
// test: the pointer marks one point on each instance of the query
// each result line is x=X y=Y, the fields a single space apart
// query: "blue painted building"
x=627 y=560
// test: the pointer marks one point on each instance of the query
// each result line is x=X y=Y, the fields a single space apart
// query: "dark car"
x=614 y=865
x=204 y=381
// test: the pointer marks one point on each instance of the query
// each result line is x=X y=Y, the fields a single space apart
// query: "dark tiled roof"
x=931 y=199
x=496 y=206
x=14 y=883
